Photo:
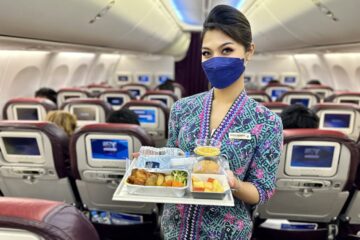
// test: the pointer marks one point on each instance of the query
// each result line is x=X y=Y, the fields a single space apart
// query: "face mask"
x=223 y=71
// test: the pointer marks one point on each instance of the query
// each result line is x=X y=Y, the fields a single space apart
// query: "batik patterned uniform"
x=255 y=160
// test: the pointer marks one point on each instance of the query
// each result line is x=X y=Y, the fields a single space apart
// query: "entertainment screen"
x=335 y=120
x=143 y=78
x=123 y=78
x=109 y=149
x=266 y=79
x=163 y=100
x=350 y=101
x=21 y=146
x=27 y=114
x=312 y=156
x=115 y=101
x=290 y=80
x=247 y=79
x=71 y=96
x=162 y=78
x=146 y=115
x=276 y=93
x=302 y=101
x=85 y=113
x=135 y=92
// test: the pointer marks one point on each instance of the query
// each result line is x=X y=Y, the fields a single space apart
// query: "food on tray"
x=211 y=185
x=207 y=151
x=176 y=178
x=206 y=166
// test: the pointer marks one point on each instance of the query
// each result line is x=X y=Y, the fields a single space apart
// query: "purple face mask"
x=223 y=71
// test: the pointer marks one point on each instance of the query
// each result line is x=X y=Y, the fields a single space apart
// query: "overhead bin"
x=137 y=25
x=280 y=25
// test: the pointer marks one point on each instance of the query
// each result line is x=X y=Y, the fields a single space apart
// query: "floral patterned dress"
x=254 y=160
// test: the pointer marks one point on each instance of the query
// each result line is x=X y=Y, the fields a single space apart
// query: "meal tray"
x=122 y=194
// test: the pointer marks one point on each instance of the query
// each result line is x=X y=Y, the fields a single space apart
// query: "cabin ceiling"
x=162 y=26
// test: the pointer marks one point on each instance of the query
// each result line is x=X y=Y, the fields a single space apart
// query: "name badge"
x=240 y=136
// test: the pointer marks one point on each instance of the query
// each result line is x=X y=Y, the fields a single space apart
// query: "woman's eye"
x=227 y=51
x=205 y=53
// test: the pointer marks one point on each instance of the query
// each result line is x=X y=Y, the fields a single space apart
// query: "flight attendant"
x=251 y=135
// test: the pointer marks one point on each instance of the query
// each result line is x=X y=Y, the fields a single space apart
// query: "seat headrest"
x=160 y=92
x=74 y=89
x=58 y=138
x=315 y=86
x=111 y=128
x=275 y=104
x=334 y=106
x=48 y=219
x=305 y=92
x=292 y=134
x=93 y=101
x=117 y=91
x=135 y=85
x=46 y=103
x=342 y=94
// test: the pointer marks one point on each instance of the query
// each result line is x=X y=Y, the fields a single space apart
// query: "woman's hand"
x=234 y=182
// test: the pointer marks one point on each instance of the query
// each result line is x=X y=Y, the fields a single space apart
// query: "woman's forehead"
x=214 y=38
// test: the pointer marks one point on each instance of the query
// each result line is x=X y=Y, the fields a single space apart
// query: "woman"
x=250 y=134
x=64 y=120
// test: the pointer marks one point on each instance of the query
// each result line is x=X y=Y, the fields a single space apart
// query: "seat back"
x=97 y=89
x=321 y=90
x=276 y=107
x=340 y=117
x=153 y=117
x=98 y=157
x=315 y=175
x=88 y=111
x=65 y=94
x=30 y=109
x=116 y=98
x=259 y=96
x=34 y=219
x=136 y=89
x=276 y=90
x=345 y=97
x=34 y=160
x=166 y=97
x=306 y=98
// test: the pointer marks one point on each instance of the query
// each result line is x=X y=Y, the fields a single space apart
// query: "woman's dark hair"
x=314 y=82
x=47 y=93
x=299 y=116
x=230 y=21
x=123 y=116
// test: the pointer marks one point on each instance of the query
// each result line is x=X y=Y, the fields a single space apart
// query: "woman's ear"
x=250 y=52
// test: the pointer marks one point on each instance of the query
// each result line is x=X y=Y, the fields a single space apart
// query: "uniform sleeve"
x=173 y=126
x=265 y=162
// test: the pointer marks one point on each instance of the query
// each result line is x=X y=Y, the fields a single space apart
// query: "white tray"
x=122 y=194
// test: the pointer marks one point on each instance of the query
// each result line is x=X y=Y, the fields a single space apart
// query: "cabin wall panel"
x=102 y=68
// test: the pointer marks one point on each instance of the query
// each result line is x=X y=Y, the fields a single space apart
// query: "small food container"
x=207 y=147
x=182 y=163
x=201 y=187
x=207 y=165
x=159 y=190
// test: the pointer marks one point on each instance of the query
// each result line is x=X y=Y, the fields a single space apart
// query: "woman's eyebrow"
x=224 y=44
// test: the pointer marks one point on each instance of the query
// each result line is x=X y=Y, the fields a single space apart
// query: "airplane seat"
x=88 y=111
x=65 y=94
x=275 y=90
x=35 y=219
x=345 y=97
x=34 y=161
x=153 y=117
x=166 y=97
x=136 y=89
x=315 y=178
x=306 y=98
x=97 y=89
x=116 y=98
x=322 y=91
x=259 y=96
x=96 y=169
x=340 y=117
x=179 y=90
x=277 y=234
x=276 y=107
x=30 y=109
